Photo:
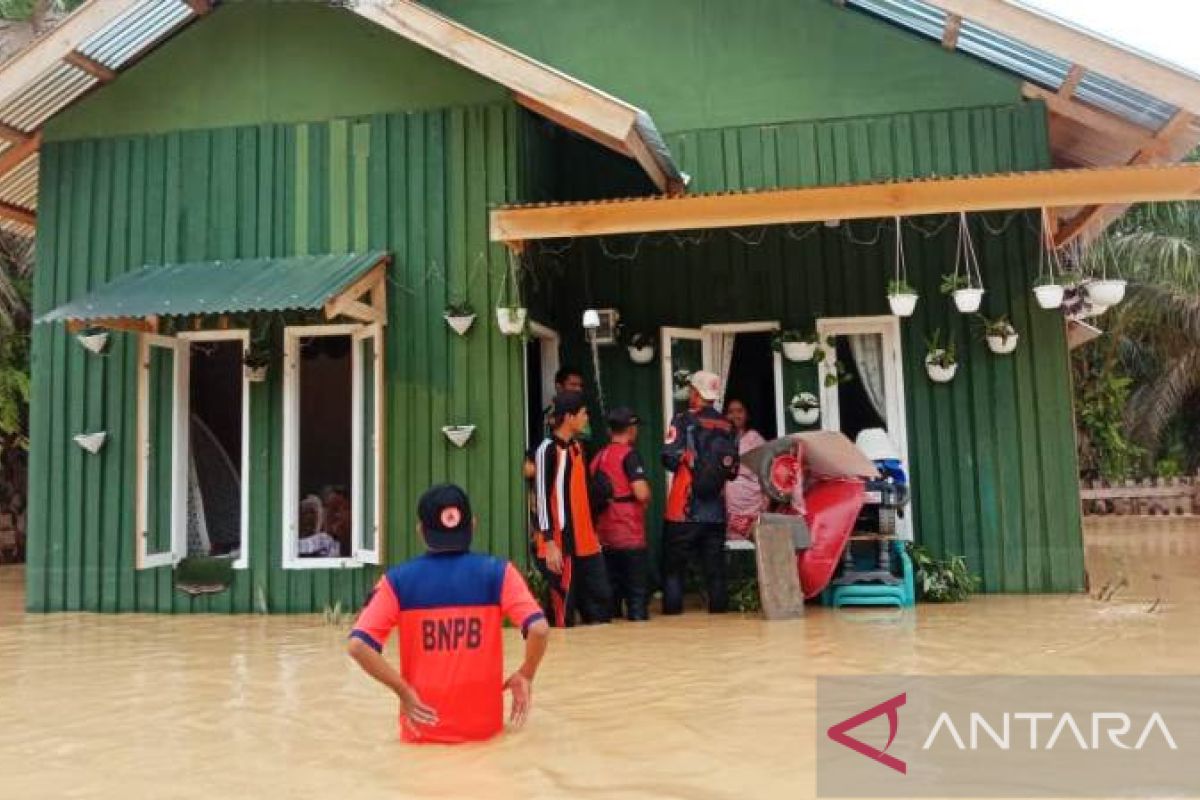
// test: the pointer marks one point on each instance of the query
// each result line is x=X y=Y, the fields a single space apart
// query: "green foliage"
x=1101 y=397
x=1000 y=326
x=743 y=595
x=943 y=355
x=14 y=360
x=900 y=286
x=459 y=308
x=942 y=580
x=952 y=283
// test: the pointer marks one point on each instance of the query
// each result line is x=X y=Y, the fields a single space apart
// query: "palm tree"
x=1154 y=336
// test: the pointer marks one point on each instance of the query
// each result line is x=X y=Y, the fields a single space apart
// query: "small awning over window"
x=336 y=284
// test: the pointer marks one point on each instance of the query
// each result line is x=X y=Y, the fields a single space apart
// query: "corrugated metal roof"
x=221 y=287
x=1032 y=64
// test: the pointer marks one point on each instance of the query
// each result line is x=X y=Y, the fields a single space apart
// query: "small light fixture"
x=591 y=319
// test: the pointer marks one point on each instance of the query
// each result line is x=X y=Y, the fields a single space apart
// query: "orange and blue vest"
x=564 y=511
x=449 y=609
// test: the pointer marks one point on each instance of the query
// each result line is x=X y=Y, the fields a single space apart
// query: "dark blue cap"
x=445 y=514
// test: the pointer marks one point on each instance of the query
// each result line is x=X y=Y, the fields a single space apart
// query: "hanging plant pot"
x=511 y=320
x=1105 y=292
x=967 y=301
x=91 y=442
x=255 y=373
x=1049 y=295
x=938 y=371
x=798 y=352
x=641 y=355
x=94 y=341
x=903 y=304
x=460 y=323
x=1002 y=345
x=459 y=435
x=805 y=408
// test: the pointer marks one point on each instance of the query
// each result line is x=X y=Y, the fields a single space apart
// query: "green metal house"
x=269 y=207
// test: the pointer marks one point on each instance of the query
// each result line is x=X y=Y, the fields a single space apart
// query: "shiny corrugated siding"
x=993 y=453
x=416 y=184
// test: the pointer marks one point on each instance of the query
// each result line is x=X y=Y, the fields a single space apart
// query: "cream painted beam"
x=1079 y=47
x=1062 y=188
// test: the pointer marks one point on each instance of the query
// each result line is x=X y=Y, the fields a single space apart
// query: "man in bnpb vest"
x=449 y=606
x=573 y=561
x=701 y=452
x=621 y=522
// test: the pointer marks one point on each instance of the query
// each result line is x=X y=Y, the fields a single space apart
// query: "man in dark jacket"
x=701 y=453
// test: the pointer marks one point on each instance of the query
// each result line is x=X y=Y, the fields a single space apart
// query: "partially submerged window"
x=193 y=437
x=332 y=457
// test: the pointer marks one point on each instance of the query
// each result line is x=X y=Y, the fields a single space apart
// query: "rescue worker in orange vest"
x=449 y=606
x=578 y=582
x=701 y=452
x=621 y=525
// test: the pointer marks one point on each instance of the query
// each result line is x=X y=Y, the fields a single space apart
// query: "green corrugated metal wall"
x=418 y=184
x=992 y=453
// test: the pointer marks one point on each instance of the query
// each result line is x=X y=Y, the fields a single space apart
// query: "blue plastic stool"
x=877 y=594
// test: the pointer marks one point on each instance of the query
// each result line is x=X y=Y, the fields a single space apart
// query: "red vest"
x=622 y=526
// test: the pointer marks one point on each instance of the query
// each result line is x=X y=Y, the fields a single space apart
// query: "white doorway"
x=542 y=361
x=738 y=352
x=869 y=352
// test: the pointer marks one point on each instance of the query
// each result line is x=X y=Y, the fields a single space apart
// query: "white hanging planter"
x=798 y=351
x=903 y=304
x=255 y=374
x=937 y=373
x=92 y=442
x=460 y=323
x=459 y=435
x=93 y=341
x=806 y=417
x=967 y=301
x=1049 y=295
x=1002 y=345
x=511 y=320
x=641 y=355
x=1105 y=292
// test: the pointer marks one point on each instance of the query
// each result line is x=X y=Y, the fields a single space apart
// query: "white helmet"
x=876 y=445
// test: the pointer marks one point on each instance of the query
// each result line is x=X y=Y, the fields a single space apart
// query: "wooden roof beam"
x=15 y=213
x=951 y=31
x=1089 y=50
x=12 y=135
x=90 y=66
x=1064 y=188
x=200 y=7
x=14 y=156
x=1071 y=81
x=1101 y=121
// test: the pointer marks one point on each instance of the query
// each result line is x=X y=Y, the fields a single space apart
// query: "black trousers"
x=581 y=589
x=627 y=576
x=705 y=542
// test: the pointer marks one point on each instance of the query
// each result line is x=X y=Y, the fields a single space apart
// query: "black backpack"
x=715 y=462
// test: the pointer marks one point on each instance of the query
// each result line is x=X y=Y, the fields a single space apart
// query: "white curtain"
x=867 y=349
x=722 y=349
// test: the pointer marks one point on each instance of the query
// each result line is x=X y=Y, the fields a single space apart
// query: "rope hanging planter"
x=1048 y=288
x=965 y=285
x=902 y=297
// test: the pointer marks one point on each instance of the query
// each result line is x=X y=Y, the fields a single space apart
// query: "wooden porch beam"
x=1071 y=82
x=951 y=31
x=1064 y=188
x=349 y=302
x=355 y=309
x=90 y=66
x=12 y=135
x=1101 y=121
x=1080 y=47
x=131 y=324
x=15 y=213
x=200 y=7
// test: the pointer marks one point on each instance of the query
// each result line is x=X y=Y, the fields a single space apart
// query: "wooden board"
x=775 y=556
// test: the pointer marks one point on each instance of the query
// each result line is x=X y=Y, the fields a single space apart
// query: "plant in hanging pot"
x=805 y=408
x=967 y=298
x=511 y=319
x=640 y=347
x=796 y=346
x=1048 y=291
x=1105 y=292
x=460 y=316
x=941 y=361
x=458 y=435
x=256 y=361
x=1000 y=334
x=901 y=297
x=681 y=382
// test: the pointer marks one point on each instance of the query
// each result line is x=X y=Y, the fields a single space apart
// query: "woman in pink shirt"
x=744 y=499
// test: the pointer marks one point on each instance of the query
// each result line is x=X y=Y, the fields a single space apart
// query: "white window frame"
x=888 y=327
x=181 y=445
x=291 y=446
x=362 y=554
x=668 y=335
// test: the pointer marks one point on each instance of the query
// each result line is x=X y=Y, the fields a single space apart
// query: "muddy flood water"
x=693 y=707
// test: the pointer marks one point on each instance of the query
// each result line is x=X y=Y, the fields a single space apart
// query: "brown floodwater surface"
x=132 y=706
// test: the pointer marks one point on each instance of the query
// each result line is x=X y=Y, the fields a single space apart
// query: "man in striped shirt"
x=565 y=533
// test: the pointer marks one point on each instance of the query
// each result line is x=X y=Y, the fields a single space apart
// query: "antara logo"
x=1107 y=729
x=890 y=707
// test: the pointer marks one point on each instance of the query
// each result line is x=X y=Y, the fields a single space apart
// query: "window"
x=332 y=443
x=194 y=445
